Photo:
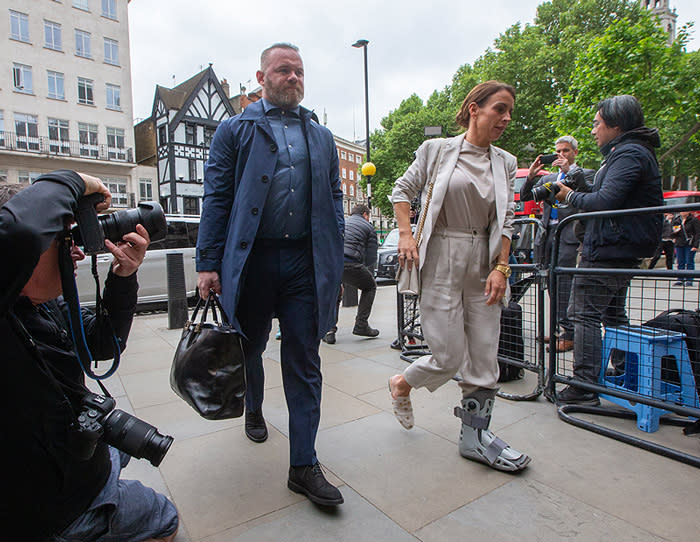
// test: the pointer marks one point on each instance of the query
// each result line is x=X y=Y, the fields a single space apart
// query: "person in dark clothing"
x=360 y=258
x=666 y=244
x=49 y=491
x=686 y=237
x=628 y=178
x=567 y=149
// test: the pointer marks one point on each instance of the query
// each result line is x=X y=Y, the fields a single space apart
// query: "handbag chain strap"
x=429 y=196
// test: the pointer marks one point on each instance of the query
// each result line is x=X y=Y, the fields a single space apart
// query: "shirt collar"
x=274 y=110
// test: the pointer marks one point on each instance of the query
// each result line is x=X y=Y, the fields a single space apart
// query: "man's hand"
x=94 y=185
x=129 y=252
x=563 y=191
x=495 y=287
x=535 y=168
x=562 y=163
x=208 y=280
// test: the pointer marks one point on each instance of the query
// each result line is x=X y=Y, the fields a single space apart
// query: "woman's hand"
x=129 y=252
x=94 y=185
x=408 y=250
x=495 y=287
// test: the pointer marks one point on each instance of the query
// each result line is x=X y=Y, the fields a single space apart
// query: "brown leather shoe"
x=565 y=345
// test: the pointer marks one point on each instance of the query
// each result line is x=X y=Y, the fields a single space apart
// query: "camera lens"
x=545 y=191
x=135 y=437
x=149 y=214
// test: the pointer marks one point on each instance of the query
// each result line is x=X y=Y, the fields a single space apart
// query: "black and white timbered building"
x=177 y=137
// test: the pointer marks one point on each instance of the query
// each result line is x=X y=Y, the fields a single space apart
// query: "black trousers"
x=359 y=276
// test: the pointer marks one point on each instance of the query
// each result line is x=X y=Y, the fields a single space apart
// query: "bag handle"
x=212 y=302
x=429 y=196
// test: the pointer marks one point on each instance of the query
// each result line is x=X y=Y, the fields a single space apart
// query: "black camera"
x=548 y=158
x=548 y=191
x=100 y=420
x=91 y=230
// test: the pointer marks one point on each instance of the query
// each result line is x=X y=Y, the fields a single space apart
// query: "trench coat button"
x=254 y=210
x=265 y=178
x=244 y=244
x=273 y=147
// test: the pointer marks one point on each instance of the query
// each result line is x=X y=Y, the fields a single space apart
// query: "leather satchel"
x=208 y=369
x=408 y=280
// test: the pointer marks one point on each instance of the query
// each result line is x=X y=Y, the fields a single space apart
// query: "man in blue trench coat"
x=271 y=243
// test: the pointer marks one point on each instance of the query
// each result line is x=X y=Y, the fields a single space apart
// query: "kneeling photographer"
x=61 y=479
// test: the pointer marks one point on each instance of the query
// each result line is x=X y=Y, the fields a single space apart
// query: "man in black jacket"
x=51 y=488
x=554 y=212
x=628 y=178
x=360 y=253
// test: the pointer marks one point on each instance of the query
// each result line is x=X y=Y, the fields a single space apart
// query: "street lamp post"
x=363 y=45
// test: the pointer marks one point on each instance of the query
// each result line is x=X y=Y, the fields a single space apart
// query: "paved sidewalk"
x=398 y=485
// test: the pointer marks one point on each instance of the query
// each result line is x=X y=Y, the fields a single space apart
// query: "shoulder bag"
x=208 y=369
x=408 y=280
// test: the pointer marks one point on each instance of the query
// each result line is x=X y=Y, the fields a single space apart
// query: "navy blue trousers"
x=279 y=282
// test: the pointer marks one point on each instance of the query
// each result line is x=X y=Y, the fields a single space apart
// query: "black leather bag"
x=208 y=369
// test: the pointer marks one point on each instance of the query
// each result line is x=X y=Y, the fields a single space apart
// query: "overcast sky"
x=415 y=46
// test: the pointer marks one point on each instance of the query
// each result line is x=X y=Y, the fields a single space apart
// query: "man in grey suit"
x=566 y=148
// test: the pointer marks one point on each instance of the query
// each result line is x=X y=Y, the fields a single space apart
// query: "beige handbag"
x=408 y=281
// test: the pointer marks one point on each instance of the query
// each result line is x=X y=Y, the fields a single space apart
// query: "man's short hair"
x=7 y=191
x=569 y=140
x=266 y=52
x=360 y=209
x=623 y=111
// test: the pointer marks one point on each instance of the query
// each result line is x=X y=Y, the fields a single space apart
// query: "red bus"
x=527 y=208
x=680 y=197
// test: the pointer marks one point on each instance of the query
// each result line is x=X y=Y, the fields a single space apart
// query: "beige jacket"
x=503 y=167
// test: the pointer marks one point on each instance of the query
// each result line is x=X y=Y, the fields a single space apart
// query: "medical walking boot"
x=476 y=442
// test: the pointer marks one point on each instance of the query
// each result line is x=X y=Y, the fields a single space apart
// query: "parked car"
x=387 y=255
x=181 y=237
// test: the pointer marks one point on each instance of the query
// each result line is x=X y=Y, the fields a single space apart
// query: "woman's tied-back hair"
x=480 y=95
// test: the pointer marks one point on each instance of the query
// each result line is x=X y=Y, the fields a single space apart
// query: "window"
x=81 y=4
x=345 y=190
x=27 y=132
x=3 y=175
x=87 y=137
x=117 y=186
x=192 y=166
x=19 y=26
x=190 y=205
x=190 y=134
x=82 y=44
x=352 y=175
x=351 y=157
x=114 y=97
x=343 y=155
x=2 y=128
x=352 y=190
x=52 y=36
x=358 y=159
x=344 y=173
x=111 y=51
x=208 y=136
x=26 y=177
x=56 y=87
x=58 y=136
x=145 y=190
x=115 y=143
x=85 y=94
x=162 y=134
x=22 y=76
x=109 y=9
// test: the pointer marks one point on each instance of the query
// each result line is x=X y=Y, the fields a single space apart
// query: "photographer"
x=50 y=490
x=628 y=178
x=566 y=148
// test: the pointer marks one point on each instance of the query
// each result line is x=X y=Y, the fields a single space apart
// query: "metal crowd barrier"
x=653 y=373
x=527 y=291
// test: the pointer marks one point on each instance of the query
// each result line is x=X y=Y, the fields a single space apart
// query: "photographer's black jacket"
x=45 y=487
x=628 y=178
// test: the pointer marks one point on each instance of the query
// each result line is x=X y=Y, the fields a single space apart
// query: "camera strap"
x=75 y=316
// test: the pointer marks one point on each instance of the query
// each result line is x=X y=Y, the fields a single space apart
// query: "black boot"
x=255 y=428
x=363 y=330
x=329 y=338
x=310 y=481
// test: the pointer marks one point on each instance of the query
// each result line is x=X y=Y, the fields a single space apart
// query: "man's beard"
x=286 y=98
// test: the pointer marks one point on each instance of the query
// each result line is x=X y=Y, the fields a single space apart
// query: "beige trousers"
x=461 y=330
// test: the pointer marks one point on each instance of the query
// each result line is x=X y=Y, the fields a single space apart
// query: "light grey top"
x=470 y=200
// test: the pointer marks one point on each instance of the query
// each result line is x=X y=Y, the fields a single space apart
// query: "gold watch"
x=504 y=268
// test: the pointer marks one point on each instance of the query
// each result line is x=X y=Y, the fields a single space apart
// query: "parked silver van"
x=152 y=275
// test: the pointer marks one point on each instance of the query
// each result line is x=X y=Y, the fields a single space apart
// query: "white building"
x=65 y=94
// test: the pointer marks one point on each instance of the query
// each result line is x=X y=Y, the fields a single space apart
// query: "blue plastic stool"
x=644 y=349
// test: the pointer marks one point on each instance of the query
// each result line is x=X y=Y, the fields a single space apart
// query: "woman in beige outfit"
x=463 y=262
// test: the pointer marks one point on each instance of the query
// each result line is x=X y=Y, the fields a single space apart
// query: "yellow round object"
x=368 y=169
